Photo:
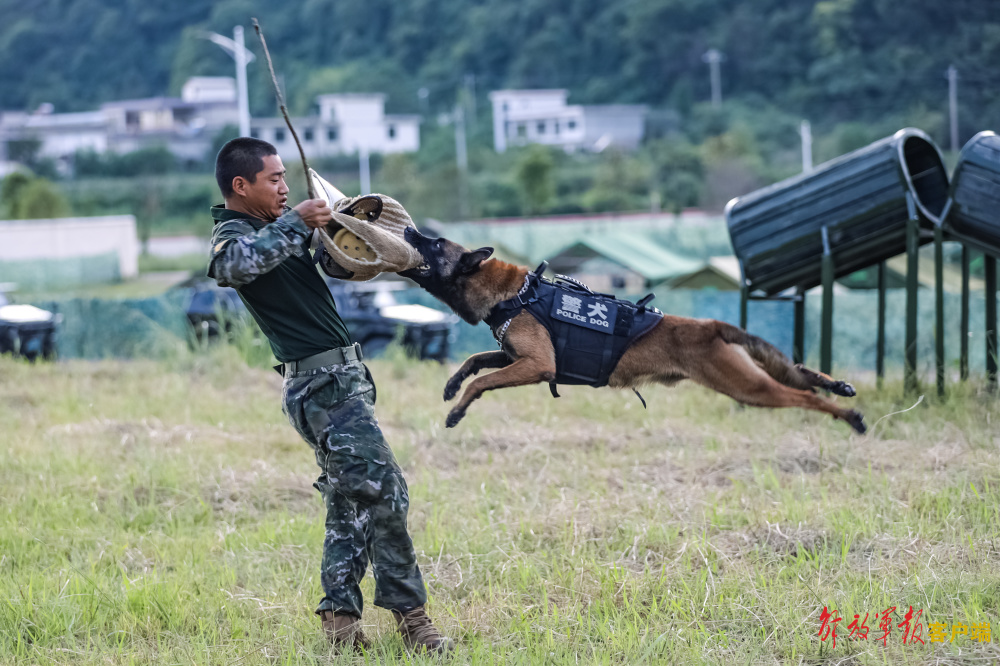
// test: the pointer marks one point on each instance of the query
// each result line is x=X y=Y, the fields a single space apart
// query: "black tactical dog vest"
x=589 y=331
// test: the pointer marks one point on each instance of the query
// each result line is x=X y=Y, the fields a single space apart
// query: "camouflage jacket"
x=270 y=267
x=244 y=248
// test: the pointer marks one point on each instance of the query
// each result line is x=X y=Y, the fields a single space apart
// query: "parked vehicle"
x=27 y=331
x=210 y=309
x=372 y=314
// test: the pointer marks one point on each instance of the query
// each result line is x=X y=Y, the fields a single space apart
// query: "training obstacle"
x=972 y=217
x=858 y=210
x=847 y=214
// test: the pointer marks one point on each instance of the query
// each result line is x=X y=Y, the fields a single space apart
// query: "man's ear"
x=240 y=185
x=469 y=262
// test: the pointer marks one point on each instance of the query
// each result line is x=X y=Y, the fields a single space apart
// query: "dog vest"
x=589 y=331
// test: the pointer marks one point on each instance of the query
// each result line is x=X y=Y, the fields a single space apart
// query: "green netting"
x=42 y=274
x=157 y=327
x=854 y=326
x=94 y=328
x=855 y=323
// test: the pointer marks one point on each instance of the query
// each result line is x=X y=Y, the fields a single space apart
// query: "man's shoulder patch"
x=229 y=229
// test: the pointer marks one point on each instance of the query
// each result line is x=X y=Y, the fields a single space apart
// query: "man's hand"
x=315 y=213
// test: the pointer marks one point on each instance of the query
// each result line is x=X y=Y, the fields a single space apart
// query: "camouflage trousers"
x=333 y=408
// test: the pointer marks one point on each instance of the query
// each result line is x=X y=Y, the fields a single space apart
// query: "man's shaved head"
x=241 y=157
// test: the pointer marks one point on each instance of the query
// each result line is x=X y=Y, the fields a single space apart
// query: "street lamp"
x=457 y=118
x=713 y=57
x=243 y=57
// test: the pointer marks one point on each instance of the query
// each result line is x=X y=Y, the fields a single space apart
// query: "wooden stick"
x=284 y=111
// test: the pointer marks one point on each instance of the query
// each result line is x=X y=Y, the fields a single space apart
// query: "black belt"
x=336 y=356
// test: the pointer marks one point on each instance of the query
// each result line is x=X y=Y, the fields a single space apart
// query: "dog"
x=709 y=352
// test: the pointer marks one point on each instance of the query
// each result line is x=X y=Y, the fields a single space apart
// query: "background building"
x=187 y=125
x=344 y=124
x=542 y=116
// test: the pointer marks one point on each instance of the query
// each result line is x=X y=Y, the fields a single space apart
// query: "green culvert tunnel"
x=861 y=200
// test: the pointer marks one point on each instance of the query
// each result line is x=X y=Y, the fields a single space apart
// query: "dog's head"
x=446 y=268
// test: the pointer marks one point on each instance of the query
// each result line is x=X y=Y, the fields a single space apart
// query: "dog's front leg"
x=472 y=366
x=521 y=372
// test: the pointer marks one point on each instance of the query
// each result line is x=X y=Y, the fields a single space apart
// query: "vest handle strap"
x=641 y=305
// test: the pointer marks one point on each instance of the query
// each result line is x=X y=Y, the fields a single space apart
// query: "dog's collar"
x=527 y=283
x=502 y=331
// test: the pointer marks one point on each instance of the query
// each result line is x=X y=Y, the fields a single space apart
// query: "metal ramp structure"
x=859 y=210
x=972 y=217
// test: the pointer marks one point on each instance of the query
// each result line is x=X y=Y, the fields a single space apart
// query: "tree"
x=41 y=200
x=622 y=183
x=26 y=197
x=534 y=175
x=677 y=173
x=10 y=192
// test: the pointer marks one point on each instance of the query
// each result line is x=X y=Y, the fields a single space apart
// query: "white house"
x=543 y=116
x=345 y=124
x=61 y=134
x=186 y=125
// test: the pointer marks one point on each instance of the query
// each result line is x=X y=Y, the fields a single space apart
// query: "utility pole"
x=243 y=57
x=364 y=168
x=805 y=131
x=952 y=75
x=470 y=92
x=461 y=157
x=243 y=101
x=713 y=57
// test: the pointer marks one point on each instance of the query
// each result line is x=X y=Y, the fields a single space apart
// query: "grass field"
x=165 y=514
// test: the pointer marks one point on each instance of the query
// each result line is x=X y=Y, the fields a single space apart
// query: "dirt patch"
x=804 y=462
x=259 y=489
x=781 y=540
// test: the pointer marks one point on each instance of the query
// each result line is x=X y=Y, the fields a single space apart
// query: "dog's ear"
x=469 y=262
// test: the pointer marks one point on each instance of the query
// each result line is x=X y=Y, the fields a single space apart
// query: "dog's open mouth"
x=419 y=271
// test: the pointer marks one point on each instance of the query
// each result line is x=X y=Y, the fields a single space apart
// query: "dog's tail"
x=767 y=356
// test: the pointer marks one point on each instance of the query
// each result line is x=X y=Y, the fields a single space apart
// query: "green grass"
x=154 y=513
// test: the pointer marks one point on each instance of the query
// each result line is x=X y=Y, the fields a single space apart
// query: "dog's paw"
x=857 y=421
x=842 y=388
x=454 y=416
x=452 y=387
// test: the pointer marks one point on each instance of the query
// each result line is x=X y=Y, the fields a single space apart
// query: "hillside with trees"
x=855 y=70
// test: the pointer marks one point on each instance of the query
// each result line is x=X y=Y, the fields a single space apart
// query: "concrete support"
x=826 y=322
x=912 y=284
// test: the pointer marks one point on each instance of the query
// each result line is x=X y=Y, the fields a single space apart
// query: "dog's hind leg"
x=729 y=369
x=779 y=367
x=826 y=382
x=521 y=372
x=472 y=366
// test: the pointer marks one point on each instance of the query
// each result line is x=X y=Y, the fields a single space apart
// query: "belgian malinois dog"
x=712 y=353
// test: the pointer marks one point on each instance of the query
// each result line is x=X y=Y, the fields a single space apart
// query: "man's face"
x=267 y=195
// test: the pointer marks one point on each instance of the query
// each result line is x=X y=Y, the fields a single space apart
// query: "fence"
x=157 y=327
x=51 y=274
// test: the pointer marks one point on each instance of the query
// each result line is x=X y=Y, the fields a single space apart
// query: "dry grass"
x=164 y=514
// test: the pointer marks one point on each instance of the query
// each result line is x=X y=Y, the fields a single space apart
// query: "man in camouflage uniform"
x=261 y=247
